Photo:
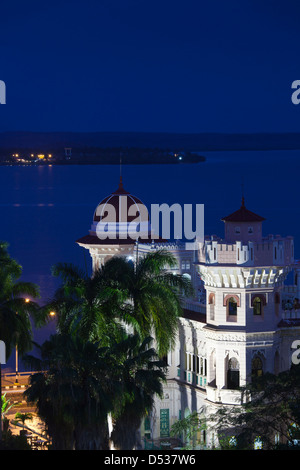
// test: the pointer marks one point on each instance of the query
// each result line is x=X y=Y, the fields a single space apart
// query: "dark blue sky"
x=139 y=65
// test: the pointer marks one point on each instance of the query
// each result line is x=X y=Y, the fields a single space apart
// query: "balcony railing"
x=192 y=378
x=223 y=395
x=290 y=314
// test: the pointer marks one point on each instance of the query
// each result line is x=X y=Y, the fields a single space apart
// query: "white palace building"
x=242 y=320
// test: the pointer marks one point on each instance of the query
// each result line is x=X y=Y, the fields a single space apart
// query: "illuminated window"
x=256 y=367
x=257 y=306
x=185 y=264
x=231 y=302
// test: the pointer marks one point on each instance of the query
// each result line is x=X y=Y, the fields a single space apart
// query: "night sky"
x=157 y=66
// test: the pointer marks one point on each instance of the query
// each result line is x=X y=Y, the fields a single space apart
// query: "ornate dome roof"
x=119 y=218
x=125 y=206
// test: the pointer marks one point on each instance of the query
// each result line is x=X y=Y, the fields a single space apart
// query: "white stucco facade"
x=237 y=324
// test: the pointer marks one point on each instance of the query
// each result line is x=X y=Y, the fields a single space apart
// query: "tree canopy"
x=270 y=412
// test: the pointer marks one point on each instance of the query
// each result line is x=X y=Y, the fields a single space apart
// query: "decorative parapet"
x=238 y=277
x=272 y=250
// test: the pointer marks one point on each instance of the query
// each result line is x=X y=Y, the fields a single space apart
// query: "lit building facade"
x=241 y=321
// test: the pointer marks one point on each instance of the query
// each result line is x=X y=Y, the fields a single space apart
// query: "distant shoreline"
x=82 y=155
x=133 y=148
x=73 y=163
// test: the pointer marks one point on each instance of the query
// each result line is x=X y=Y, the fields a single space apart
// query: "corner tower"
x=243 y=225
x=244 y=276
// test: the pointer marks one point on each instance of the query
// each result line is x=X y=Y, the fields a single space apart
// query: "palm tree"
x=91 y=313
x=22 y=417
x=145 y=295
x=74 y=392
x=154 y=294
x=49 y=405
x=6 y=405
x=81 y=383
x=189 y=427
x=141 y=375
x=15 y=325
x=86 y=306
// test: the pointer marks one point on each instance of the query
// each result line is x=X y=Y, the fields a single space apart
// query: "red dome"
x=115 y=208
x=122 y=202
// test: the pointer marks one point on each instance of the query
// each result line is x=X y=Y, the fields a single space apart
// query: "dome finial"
x=121 y=182
x=243 y=198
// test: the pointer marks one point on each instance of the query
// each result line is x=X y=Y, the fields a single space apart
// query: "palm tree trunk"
x=92 y=438
x=125 y=434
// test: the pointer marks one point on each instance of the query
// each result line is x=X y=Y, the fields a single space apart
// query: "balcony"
x=291 y=314
x=223 y=395
x=192 y=378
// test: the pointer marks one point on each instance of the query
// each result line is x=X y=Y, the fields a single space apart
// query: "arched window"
x=232 y=307
x=211 y=302
x=233 y=374
x=258 y=301
x=256 y=367
x=257 y=306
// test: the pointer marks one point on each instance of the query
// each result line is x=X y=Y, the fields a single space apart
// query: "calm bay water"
x=44 y=210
